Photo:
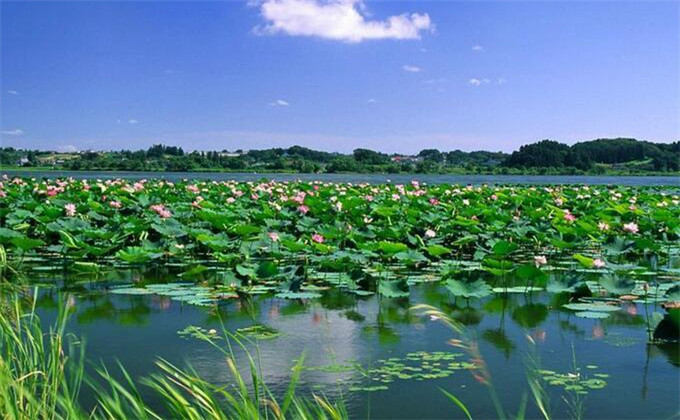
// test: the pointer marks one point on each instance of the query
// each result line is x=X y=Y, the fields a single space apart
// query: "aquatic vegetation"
x=42 y=376
x=200 y=333
x=294 y=238
x=592 y=256
x=418 y=366
x=260 y=332
x=575 y=381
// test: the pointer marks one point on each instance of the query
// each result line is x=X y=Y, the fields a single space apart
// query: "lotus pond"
x=405 y=301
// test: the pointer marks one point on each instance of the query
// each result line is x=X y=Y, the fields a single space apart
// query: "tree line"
x=546 y=156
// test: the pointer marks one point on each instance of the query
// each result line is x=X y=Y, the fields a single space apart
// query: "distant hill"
x=614 y=156
x=587 y=155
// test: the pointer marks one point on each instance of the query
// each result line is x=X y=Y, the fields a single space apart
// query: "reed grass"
x=42 y=374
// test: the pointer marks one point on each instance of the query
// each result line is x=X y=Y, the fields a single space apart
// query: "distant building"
x=23 y=161
x=403 y=159
x=230 y=154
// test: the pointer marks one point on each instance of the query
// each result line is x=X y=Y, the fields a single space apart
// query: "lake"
x=340 y=330
x=370 y=178
x=568 y=292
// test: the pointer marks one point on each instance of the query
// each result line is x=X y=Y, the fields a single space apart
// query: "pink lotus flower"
x=115 y=204
x=194 y=189
x=598 y=263
x=569 y=217
x=603 y=226
x=430 y=233
x=540 y=260
x=161 y=211
x=299 y=197
x=631 y=227
x=317 y=238
x=434 y=201
x=303 y=209
x=273 y=236
x=70 y=210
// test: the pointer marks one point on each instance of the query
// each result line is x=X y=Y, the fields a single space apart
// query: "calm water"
x=340 y=328
x=371 y=178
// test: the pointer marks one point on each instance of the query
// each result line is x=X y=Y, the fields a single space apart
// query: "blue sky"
x=394 y=76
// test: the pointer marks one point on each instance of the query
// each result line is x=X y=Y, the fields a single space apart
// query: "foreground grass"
x=42 y=374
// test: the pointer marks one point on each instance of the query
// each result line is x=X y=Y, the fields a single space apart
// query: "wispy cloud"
x=15 y=132
x=340 y=20
x=479 y=82
x=411 y=69
x=434 y=81
x=279 y=102
x=133 y=121
x=477 y=47
x=67 y=148
x=12 y=92
x=371 y=101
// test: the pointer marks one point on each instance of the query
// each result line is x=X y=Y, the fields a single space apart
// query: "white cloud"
x=67 y=148
x=477 y=48
x=132 y=121
x=411 y=69
x=12 y=92
x=372 y=101
x=15 y=132
x=279 y=102
x=340 y=20
x=501 y=81
x=478 y=82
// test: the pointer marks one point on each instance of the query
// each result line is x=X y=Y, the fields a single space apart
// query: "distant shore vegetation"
x=620 y=156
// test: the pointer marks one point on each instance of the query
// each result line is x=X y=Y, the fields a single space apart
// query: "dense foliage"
x=277 y=231
x=584 y=156
x=598 y=156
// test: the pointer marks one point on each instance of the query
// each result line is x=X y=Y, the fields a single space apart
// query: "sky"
x=335 y=75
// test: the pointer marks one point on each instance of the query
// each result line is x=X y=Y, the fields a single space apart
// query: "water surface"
x=370 y=178
x=341 y=329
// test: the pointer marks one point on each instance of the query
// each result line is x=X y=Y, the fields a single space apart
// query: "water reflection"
x=341 y=329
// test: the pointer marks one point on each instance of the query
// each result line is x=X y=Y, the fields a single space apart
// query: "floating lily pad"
x=259 y=331
x=592 y=314
x=593 y=307
x=298 y=295
x=131 y=291
x=517 y=289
